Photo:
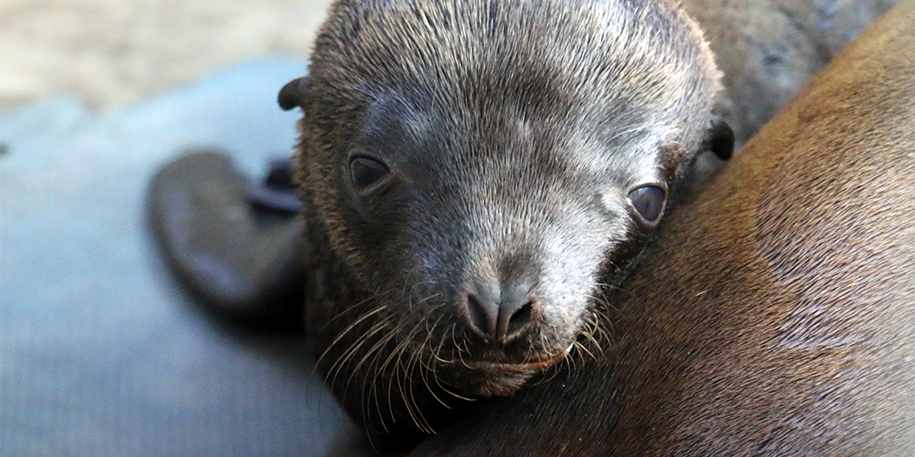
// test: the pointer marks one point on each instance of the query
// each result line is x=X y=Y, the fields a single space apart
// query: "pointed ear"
x=719 y=139
x=292 y=95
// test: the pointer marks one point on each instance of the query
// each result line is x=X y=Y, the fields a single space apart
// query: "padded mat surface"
x=101 y=352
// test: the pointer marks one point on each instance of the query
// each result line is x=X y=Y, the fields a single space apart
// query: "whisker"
x=351 y=351
x=432 y=370
x=372 y=353
x=349 y=328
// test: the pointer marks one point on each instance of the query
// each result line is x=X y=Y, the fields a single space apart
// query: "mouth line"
x=521 y=367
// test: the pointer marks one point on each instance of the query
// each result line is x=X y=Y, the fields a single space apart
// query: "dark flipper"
x=236 y=245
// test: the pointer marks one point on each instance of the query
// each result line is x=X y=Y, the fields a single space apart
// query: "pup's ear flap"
x=292 y=95
x=719 y=139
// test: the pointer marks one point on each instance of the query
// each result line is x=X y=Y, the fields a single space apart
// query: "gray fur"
x=514 y=132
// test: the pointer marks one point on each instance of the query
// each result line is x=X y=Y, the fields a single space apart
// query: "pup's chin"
x=492 y=379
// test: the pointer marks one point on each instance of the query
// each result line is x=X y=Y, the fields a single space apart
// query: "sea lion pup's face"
x=476 y=172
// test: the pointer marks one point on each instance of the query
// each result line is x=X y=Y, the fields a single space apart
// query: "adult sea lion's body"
x=776 y=313
x=475 y=173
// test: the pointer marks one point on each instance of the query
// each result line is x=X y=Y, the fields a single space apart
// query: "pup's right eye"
x=648 y=202
x=365 y=172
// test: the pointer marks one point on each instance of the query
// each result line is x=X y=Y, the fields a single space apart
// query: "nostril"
x=520 y=318
x=499 y=313
x=482 y=317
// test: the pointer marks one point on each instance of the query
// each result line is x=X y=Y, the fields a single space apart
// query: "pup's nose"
x=500 y=313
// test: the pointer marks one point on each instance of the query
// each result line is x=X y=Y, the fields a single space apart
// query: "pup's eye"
x=365 y=171
x=649 y=202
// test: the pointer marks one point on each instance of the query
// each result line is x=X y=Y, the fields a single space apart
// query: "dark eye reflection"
x=648 y=201
x=365 y=172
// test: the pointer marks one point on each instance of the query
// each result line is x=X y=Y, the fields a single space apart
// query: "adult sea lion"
x=475 y=175
x=776 y=313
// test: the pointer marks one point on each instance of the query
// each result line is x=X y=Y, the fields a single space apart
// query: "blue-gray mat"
x=101 y=353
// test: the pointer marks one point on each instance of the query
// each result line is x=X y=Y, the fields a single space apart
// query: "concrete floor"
x=114 y=53
x=101 y=351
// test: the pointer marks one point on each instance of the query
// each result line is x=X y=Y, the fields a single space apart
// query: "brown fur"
x=776 y=313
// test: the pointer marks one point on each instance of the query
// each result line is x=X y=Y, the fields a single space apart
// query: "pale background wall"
x=113 y=53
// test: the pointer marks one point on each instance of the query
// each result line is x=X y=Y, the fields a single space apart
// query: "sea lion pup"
x=768 y=49
x=775 y=315
x=475 y=174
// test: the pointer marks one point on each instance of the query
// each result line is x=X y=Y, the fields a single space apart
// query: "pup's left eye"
x=365 y=171
x=648 y=202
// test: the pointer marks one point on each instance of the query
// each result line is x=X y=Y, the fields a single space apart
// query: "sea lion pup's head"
x=476 y=172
